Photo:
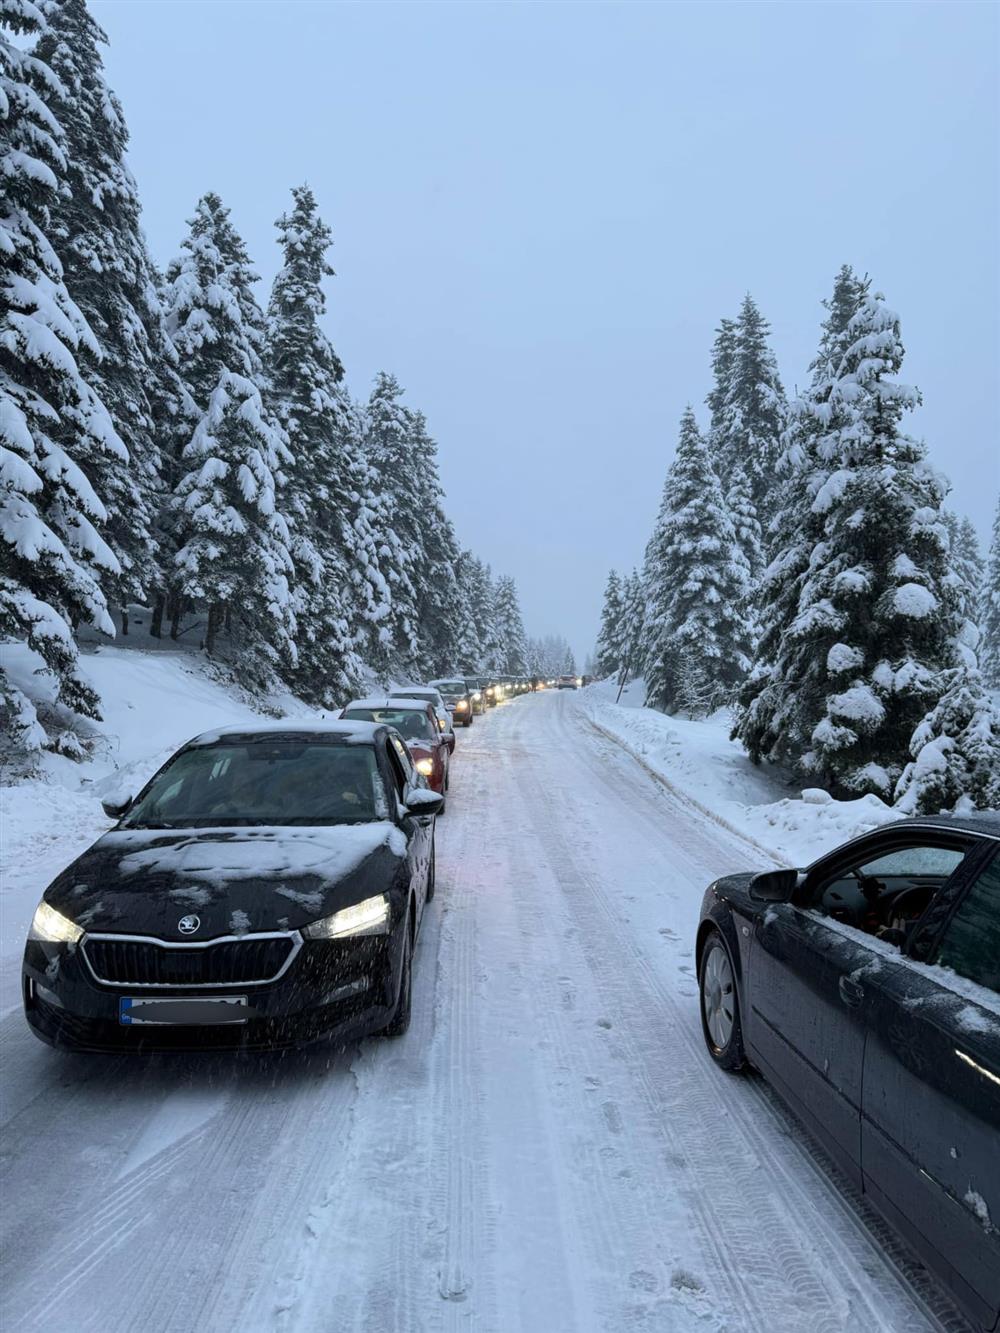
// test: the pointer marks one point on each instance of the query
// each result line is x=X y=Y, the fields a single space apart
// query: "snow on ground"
x=699 y=759
x=548 y=1150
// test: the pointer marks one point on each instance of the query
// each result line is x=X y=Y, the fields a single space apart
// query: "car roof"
x=448 y=680
x=402 y=705
x=985 y=823
x=415 y=692
x=292 y=728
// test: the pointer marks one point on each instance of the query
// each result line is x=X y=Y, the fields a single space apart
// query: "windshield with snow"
x=278 y=782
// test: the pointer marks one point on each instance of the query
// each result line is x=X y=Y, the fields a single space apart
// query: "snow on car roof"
x=291 y=726
x=400 y=705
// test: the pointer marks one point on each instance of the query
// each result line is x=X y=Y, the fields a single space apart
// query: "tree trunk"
x=123 y=611
x=156 y=621
x=214 y=616
x=175 y=617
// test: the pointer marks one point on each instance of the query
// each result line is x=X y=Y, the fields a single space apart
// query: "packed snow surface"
x=549 y=1149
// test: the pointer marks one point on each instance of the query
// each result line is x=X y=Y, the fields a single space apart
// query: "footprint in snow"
x=604 y=1023
x=682 y=1280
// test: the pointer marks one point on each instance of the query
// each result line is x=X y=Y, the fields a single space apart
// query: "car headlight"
x=370 y=917
x=442 y=724
x=462 y=703
x=51 y=926
x=477 y=696
x=425 y=767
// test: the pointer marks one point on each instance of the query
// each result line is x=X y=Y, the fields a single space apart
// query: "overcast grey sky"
x=541 y=211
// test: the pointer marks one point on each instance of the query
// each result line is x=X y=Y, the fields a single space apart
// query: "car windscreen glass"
x=411 y=724
x=264 y=782
x=452 y=687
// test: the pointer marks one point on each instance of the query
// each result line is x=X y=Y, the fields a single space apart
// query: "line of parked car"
x=264 y=888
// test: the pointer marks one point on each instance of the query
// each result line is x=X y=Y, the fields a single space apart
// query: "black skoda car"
x=866 y=989
x=264 y=889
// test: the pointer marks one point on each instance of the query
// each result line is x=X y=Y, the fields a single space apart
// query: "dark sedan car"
x=866 y=989
x=264 y=889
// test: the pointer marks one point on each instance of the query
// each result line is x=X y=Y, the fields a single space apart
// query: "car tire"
x=467 y=722
x=719 y=1005
x=400 y=1020
x=432 y=875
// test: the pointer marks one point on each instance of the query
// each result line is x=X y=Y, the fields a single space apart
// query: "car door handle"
x=850 y=992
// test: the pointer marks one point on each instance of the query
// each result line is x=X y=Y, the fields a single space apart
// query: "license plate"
x=182 y=1010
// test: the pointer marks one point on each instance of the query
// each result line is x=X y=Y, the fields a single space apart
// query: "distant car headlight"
x=425 y=767
x=51 y=926
x=442 y=724
x=370 y=917
x=462 y=704
x=477 y=696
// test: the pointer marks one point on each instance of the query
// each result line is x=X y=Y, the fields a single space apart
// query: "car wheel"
x=720 y=1006
x=400 y=1020
x=467 y=722
x=432 y=874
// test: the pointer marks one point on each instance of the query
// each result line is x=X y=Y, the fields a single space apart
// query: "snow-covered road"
x=548 y=1149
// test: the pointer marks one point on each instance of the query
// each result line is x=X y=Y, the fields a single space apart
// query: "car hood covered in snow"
x=143 y=881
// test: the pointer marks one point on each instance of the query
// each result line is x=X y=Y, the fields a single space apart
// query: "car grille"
x=131 y=962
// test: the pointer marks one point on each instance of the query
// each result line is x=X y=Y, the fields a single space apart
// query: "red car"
x=417 y=723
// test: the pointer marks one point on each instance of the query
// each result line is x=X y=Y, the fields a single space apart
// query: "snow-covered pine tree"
x=568 y=665
x=339 y=589
x=747 y=424
x=54 y=431
x=955 y=751
x=743 y=512
x=235 y=560
x=509 y=628
x=966 y=568
x=95 y=230
x=436 y=587
x=768 y=720
x=610 y=637
x=989 y=611
x=388 y=429
x=877 y=619
x=698 y=646
x=469 y=648
x=229 y=468
x=634 y=623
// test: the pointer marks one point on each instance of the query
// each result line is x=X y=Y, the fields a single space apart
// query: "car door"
x=418 y=828
x=930 y=1140
x=809 y=1010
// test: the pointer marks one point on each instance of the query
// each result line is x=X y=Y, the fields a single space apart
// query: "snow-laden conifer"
x=235 y=559
x=955 y=751
x=966 y=570
x=512 y=658
x=876 y=619
x=989 y=611
x=436 y=586
x=398 y=489
x=748 y=405
x=340 y=593
x=95 y=230
x=229 y=469
x=698 y=643
x=55 y=434
x=608 y=657
x=746 y=525
x=769 y=718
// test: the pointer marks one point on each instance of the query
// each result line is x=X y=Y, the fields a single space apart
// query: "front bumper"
x=336 y=989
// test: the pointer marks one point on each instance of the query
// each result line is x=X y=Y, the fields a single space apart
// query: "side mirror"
x=115 y=807
x=775 y=886
x=423 y=801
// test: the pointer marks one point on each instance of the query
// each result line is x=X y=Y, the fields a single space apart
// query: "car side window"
x=888 y=892
x=970 y=944
x=403 y=756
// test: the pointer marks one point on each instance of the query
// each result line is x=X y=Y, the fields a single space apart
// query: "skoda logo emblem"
x=189 y=924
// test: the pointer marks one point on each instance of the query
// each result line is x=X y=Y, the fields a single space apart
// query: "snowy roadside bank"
x=698 y=759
